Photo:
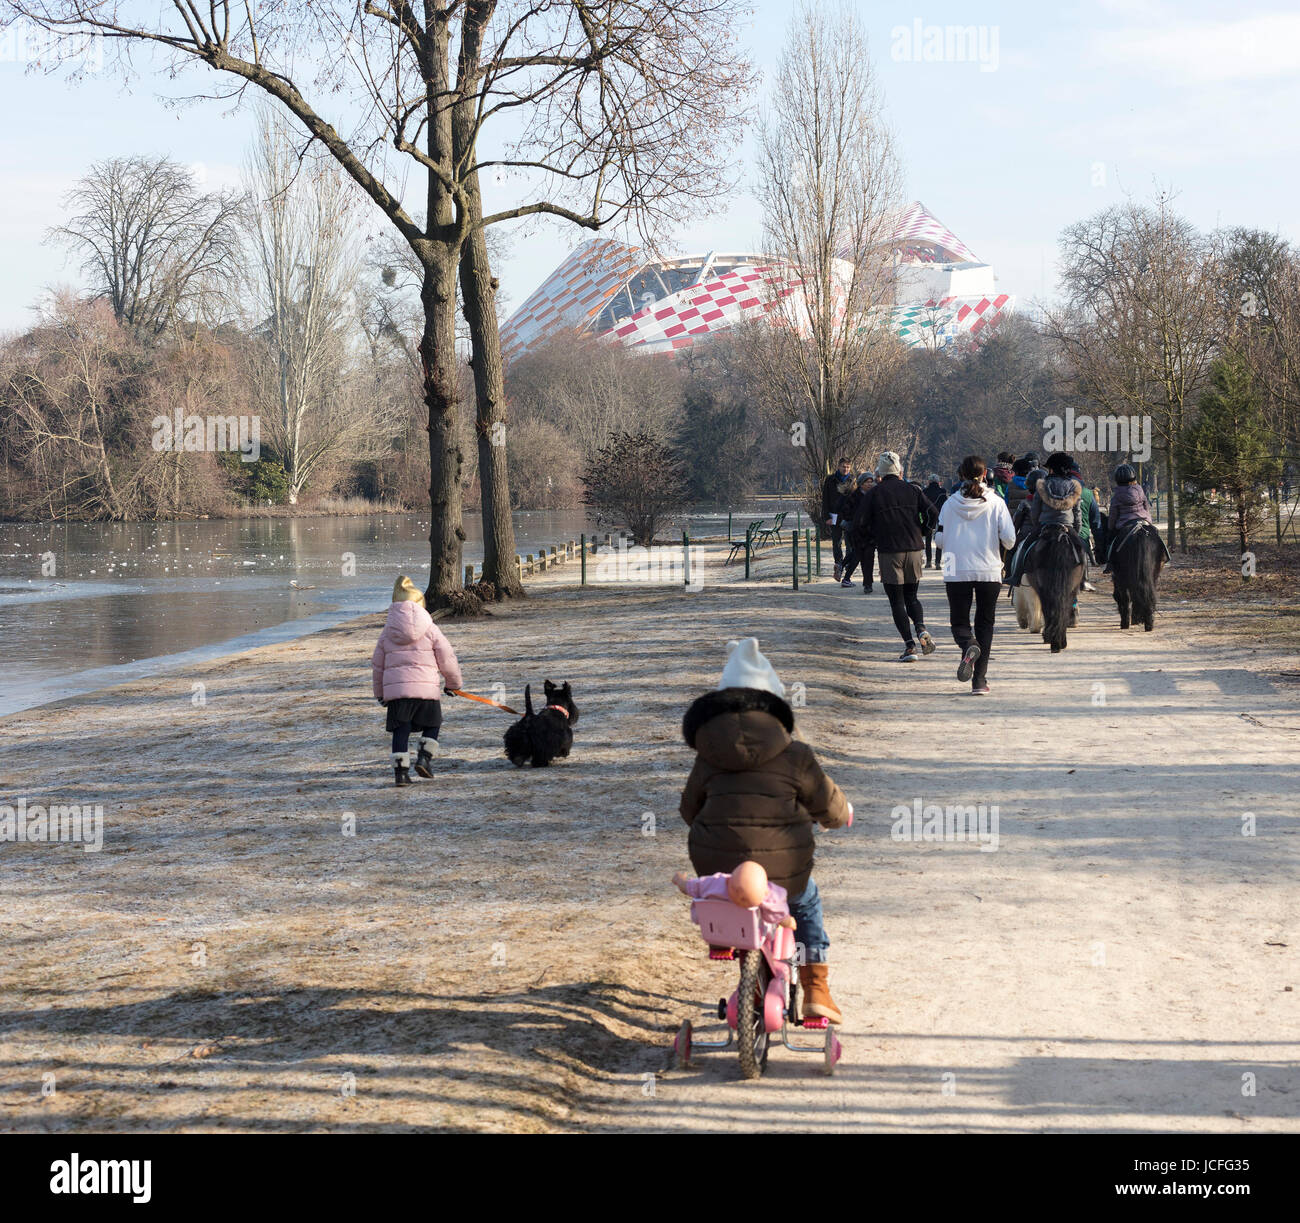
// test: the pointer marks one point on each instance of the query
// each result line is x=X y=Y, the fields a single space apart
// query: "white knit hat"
x=747 y=668
x=889 y=464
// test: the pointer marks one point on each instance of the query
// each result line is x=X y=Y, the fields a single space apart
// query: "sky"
x=1065 y=110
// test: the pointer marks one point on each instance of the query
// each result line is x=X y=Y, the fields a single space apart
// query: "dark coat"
x=937 y=494
x=892 y=517
x=834 y=490
x=754 y=791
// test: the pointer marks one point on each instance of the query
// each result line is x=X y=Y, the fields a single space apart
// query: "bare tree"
x=829 y=183
x=301 y=274
x=1141 y=323
x=548 y=75
x=150 y=242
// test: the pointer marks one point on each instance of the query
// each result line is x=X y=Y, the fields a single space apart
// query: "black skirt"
x=412 y=712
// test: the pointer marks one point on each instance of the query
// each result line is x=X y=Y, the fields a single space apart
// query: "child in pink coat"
x=408 y=667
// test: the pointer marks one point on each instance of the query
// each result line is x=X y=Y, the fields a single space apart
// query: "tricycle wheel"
x=834 y=1050
x=751 y=1028
x=682 y=1044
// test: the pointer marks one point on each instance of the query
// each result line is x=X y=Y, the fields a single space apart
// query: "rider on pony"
x=1128 y=507
x=1055 y=503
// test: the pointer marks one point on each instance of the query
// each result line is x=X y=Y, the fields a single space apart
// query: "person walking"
x=894 y=517
x=937 y=495
x=835 y=488
x=867 y=555
x=974 y=526
x=1089 y=522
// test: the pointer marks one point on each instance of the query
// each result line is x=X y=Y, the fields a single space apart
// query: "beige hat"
x=404 y=591
x=889 y=464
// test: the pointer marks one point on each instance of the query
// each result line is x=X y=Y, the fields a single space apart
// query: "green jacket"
x=1087 y=509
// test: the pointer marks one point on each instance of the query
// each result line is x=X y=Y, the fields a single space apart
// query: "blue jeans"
x=809 y=932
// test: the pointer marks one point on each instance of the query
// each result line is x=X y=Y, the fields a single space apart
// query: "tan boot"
x=817 y=1000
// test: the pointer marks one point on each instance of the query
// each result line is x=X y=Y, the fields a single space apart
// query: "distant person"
x=837 y=486
x=937 y=496
x=1002 y=474
x=1089 y=520
x=854 y=557
x=1017 y=490
x=408 y=667
x=893 y=517
x=974 y=527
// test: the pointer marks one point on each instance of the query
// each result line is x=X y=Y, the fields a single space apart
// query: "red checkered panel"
x=573 y=295
x=919 y=225
x=713 y=305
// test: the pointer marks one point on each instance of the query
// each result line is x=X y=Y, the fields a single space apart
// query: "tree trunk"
x=478 y=294
x=438 y=365
x=478 y=299
x=1169 y=494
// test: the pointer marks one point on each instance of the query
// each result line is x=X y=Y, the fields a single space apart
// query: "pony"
x=1136 y=559
x=1029 y=608
x=1055 y=571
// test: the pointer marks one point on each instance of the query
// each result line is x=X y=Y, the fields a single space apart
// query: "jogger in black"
x=985 y=596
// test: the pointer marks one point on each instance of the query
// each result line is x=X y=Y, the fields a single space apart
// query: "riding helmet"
x=1124 y=474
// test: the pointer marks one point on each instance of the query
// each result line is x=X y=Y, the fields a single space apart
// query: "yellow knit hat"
x=404 y=591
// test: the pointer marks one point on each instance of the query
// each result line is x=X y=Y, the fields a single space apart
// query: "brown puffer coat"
x=754 y=791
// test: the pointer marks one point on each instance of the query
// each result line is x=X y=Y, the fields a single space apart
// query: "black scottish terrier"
x=538 y=738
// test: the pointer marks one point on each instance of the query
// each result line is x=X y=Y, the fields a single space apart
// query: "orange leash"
x=482 y=700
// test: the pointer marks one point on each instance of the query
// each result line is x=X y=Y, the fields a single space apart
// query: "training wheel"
x=834 y=1050
x=682 y=1044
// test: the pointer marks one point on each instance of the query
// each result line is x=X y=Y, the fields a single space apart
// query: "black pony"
x=1055 y=571
x=1136 y=558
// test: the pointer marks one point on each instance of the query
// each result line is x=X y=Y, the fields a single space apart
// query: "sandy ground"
x=275 y=938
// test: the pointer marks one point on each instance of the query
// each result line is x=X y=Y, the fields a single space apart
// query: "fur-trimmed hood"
x=1059 y=493
x=738 y=728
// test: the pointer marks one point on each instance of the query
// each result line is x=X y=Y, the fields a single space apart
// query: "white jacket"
x=969 y=532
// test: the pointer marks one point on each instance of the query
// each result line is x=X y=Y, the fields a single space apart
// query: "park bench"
x=772 y=534
x=742 y=545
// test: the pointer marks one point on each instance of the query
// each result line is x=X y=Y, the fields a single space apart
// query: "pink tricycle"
x=766 y=1001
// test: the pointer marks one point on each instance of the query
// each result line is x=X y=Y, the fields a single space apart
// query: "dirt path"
x=500 y=949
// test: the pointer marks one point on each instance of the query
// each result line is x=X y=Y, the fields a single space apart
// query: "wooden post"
x=469 y=575
x=686 y=559
x=584 y=559
x=519 y=566
x=794 y=537
x=747 y=538
x=530 y=563
x=807 y=547
x=728 y=526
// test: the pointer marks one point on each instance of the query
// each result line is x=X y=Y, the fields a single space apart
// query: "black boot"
x=402 y=768
x=424 y=758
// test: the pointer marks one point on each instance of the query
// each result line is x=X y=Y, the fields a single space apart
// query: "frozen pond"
x=130 y=599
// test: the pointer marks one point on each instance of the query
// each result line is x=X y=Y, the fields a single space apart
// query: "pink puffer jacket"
x=412 y=658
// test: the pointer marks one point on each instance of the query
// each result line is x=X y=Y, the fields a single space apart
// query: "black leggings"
x=868 y=565
x=985 y=595
x=906 y=608
x=402 y=734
